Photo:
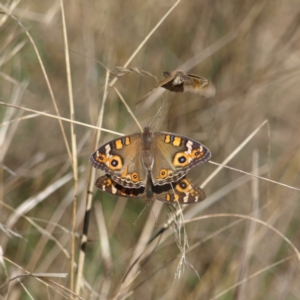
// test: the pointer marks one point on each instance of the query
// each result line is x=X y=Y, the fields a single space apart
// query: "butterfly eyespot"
x=115 y=163
x=134 y=176
x=181 y=159
x=197 y=153
x=101 y=158
x=163 y=173
x=183 y=186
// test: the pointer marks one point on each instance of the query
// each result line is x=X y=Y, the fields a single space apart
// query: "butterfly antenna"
x=155 y=223
x=134 y=223
x=158 y=114
x=147 y=205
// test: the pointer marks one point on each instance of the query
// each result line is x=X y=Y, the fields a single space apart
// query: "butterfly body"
x=162 y=156
x=179 y=81
x=183 y=191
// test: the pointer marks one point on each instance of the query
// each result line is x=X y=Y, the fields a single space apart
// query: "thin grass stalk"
x=229 y=37
x=52 y=226
x=269 y=162
x=33 y=201
x=7 y=56
x=40 y=229
x=213 y=48
x=45 y=76
x=204 y=205
x=265 y=224
x=73 y=141
x=89 y=195
x=267 y=268
x=37 y=17
x=105 y=250
x=128 y=109
x=139 y=248
x=233 y=153
x=111 y=84
x=240 y=293
x=61 y=118
x=259 y=177
x=116 y=215
x=282 y=209
x=5 y=123
x=6 y=134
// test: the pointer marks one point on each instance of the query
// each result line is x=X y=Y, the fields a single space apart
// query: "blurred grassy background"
x=248 y=49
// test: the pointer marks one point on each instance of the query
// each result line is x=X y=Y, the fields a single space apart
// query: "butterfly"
x=179 y=81
x=183 y=191
x=164 y=157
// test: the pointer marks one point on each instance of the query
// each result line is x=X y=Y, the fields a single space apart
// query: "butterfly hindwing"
x=184 y=191
x=107 y=184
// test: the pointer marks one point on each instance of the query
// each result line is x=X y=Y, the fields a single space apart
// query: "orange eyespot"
x=101 y=158
x=197 y=153
x=134 y=176
x=163 y=173
x=183 y=186
x=115 y=163
x=181 y=159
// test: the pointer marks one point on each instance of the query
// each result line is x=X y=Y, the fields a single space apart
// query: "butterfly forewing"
x=179 y=81
x=122 y=159
x=162 y=156
x=171 y=84
x=174 y=155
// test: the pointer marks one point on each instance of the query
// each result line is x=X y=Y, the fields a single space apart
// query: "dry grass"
x=243 y=238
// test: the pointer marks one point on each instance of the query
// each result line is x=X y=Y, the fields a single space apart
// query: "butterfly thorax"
x=147 y=157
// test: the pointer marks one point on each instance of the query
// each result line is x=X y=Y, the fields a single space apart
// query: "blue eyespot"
x=182 y=159
x=114 y=163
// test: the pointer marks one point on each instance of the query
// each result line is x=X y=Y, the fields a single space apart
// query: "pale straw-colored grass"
x=60 y=61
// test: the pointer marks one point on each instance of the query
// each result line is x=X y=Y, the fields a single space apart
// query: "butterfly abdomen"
x=147 y=156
